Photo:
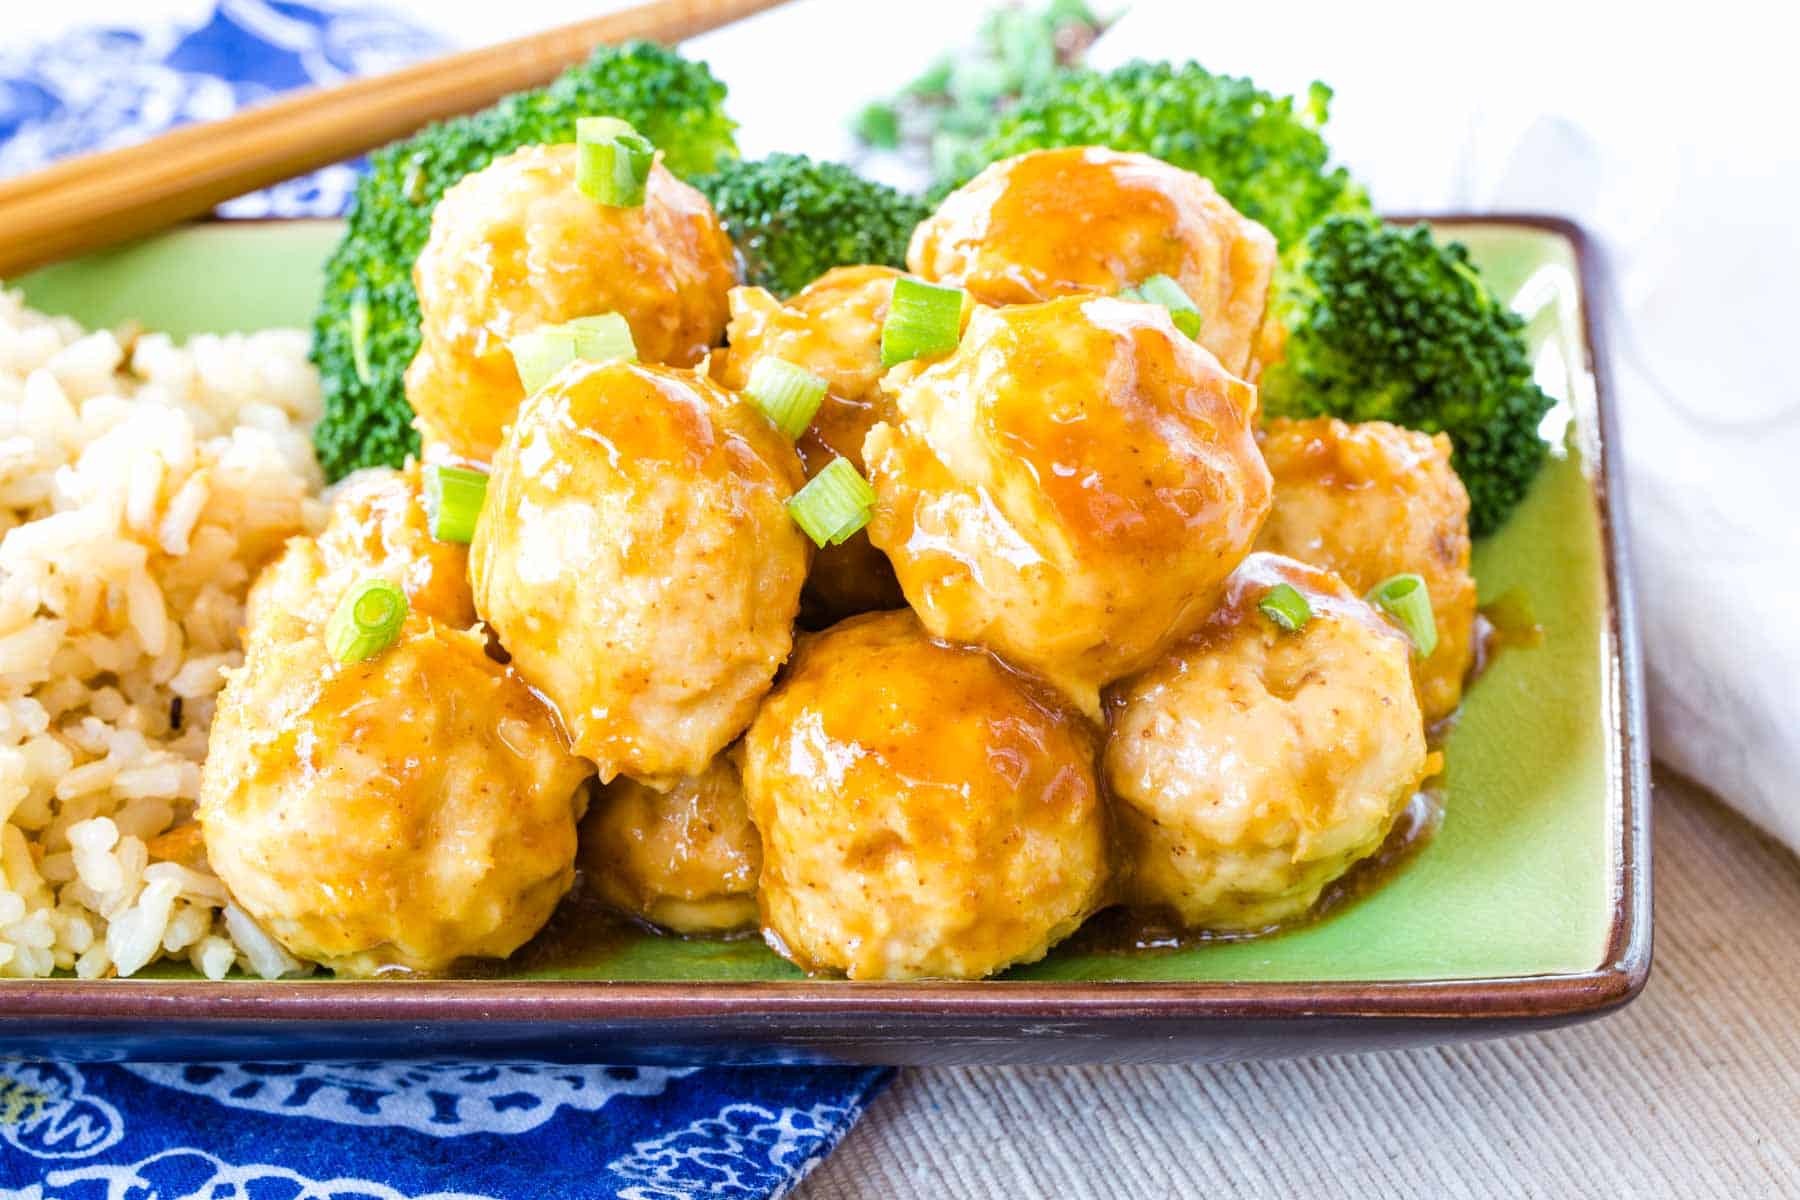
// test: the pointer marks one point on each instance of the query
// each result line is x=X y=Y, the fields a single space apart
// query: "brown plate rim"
x=1624 y=969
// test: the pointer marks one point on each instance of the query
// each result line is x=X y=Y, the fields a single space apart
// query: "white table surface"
x=1693 y=1091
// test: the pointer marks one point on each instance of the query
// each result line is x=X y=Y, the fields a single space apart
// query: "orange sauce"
x=584 y=931
x=582 y=934
x=1136 y=931
x=1504 y=623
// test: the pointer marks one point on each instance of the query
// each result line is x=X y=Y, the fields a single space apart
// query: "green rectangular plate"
x=1531 y=872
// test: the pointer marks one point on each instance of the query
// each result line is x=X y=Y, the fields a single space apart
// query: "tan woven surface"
x=1693 y=1091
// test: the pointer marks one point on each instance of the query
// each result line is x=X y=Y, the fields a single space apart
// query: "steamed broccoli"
x=1385 y=324
x=367 y=327
x=1264 y=153
x=793 y=218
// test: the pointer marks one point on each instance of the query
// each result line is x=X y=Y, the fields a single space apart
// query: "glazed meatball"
x=1252 y=766
x=517 y=245
x=684 y=859
x=1069 y=488
x=405 y=811
x=1087 y=220
x=636 y=558
x=377 y=527
x=832 y=327
x=924 y=811
x=1371 y=501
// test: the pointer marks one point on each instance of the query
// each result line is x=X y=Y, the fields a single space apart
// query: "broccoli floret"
x=793 y=218
x=1264 y=153
x=1386 y=324
x=367 y=328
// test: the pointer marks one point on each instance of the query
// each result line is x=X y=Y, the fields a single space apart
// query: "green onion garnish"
x=788 y=395
x=1161 y=289
x=878 y=125
x=1405 y=599
x=923 y=321
x=359 y=338
x=453 y=497
x=612 y=161
x=834 y=505
x=1284 y=605
x=604 y=337
x=543 y=352
x=367 y=620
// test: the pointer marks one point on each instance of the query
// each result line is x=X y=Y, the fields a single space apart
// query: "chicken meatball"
x=1371 y=501
x=518 y=245
x=636 y=558
x=924 y=811
x=684 y=859
x=832 y=327
x=1252 y=766
x=406 y=811
x=1085 y=220
x=1069 y=488
x=377 y=527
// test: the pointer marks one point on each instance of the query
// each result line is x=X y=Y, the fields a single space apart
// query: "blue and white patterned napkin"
x=95 y=89
x=379 y=1130
x=292 y=1131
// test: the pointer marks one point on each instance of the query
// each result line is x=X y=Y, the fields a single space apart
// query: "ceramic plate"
x=1528 y=906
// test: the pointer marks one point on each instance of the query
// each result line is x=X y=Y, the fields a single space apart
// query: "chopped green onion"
x=453 y=497
x=367 y=620
x=544 y=351
x=788 y=395
x=878 y=125
x=834 y=505
x=600 y=338
x=612 y=161
x=359 y=338
x=1284 y=605
x=923 y=321
x=1405 y=599
x=1161 y=289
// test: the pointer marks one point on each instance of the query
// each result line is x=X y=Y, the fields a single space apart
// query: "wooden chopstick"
x=100 y=199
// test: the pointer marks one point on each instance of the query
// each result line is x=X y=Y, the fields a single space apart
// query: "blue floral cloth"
x=381 y=1130
x=293 y=1131
x=95 y=89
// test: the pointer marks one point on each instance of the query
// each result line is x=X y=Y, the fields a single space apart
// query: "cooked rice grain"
x=142 y=486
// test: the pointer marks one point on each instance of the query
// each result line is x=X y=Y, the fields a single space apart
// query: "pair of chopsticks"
x=99 y=199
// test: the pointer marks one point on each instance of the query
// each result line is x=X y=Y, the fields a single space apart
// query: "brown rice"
x=142 y=485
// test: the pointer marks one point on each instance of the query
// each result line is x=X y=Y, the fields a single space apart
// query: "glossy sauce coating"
x=924 y=811
x=1370 y=501
x=1069 y=488
x=1086 y=220
x=832 y=327
x=685 y=859
x=378 y=527
x=636 y=558
x=1252 y=766
x=517 y=245
x=402 y=812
